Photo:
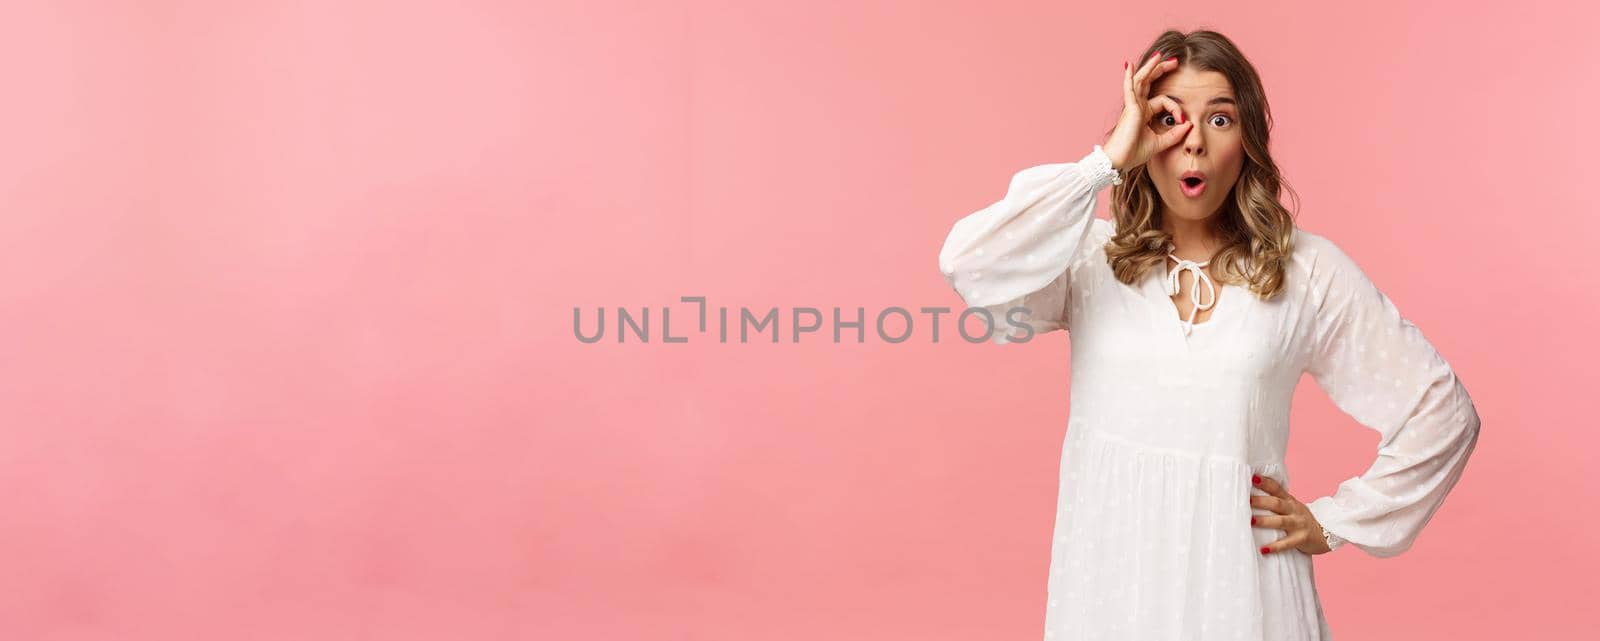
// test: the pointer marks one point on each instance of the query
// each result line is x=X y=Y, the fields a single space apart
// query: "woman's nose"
x=1194 y=142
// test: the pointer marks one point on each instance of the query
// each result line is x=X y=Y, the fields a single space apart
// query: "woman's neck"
x=1194 y=239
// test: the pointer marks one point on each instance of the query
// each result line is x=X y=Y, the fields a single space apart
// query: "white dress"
x=1168 y=420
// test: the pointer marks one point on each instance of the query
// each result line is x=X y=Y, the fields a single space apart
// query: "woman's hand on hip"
x=1301 y=530
x=1134 y=141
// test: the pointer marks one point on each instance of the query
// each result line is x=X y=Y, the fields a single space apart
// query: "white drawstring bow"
x=1194 y=293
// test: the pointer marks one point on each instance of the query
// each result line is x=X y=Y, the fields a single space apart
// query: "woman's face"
x=1214 y=146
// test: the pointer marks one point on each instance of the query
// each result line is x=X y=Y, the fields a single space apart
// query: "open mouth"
x=1193 y=186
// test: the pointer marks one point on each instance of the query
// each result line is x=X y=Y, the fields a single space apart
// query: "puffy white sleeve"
x=1016 y=252
x=1377 y=367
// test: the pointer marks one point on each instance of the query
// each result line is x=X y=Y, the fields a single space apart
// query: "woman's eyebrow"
x=1219 y=100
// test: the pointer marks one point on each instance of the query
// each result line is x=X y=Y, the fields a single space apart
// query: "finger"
x=1163 y=105
x=1284 y=543
x=1160 y=69
x=1167 y=136
x=1172 y=136
x=1152 y=69
x=1274 y=521
x=1144 y=70
x=1127 y=85
x=1271 y=503
x=1271 y=486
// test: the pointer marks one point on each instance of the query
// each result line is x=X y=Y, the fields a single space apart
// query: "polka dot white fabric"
x=1168 y=422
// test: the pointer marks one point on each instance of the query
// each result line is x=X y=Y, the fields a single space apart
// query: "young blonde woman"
x=1192 y=316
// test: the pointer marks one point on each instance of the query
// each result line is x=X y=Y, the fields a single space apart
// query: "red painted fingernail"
x=1265 y=550
x=1172 y=59
x=1124 y=64
x=1255 y=479
x=1154 y=54
x=1252 y=520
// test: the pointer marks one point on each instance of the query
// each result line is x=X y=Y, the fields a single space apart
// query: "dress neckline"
x=1198 y=303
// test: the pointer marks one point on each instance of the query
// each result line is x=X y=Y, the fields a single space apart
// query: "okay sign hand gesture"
x=1134 y=140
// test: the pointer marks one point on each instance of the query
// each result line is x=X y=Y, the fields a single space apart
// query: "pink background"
x=289 y=287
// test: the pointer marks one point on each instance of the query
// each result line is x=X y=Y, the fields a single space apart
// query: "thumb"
x=1173 y=135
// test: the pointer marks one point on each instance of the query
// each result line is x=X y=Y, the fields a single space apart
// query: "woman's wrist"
x=1332 y=539
x=1118 y=161
x=1104 y=166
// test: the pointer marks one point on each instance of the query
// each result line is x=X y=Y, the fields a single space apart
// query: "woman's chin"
x=1188 y=211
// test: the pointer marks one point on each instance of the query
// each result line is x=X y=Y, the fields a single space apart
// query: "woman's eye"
x=1169 y=119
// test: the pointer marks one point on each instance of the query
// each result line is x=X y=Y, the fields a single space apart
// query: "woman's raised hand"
x=1133 y=140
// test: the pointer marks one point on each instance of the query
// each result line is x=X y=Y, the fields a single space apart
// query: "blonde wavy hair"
x=1256 y=230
